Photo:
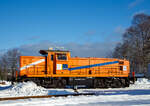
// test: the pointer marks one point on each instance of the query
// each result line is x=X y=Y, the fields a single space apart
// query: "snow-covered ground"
x=29 y=89
x=136 y=94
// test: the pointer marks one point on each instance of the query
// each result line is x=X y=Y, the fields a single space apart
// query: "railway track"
x=45 y=96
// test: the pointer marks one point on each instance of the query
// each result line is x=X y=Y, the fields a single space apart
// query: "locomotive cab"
x=57 y=61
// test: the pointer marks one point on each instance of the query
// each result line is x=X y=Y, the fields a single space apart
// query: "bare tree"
x=135 y=43
x=10 y=63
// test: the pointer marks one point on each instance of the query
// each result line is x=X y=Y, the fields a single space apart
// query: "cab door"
x=61 y=63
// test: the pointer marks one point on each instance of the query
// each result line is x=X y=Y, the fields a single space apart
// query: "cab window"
x=52 y=57
x=61 y=56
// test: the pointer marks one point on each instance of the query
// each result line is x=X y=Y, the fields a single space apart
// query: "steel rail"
x=45 y=96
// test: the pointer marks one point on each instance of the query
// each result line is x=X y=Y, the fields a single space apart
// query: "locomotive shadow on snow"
x=57 y=92
x=121 y=92
x=6 y=87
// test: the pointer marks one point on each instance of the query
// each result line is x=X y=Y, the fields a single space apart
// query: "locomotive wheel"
x=100 y=83
x=113 y=84
x=117 y=83
x=123 y=81
x=96 y=83
x=61 y=83
x=103 y=83
x=109 y=83
x=127 y=82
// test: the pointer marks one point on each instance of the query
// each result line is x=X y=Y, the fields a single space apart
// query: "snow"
x=7 y=83
x=22 y=89
x=29 y=89
x=136 y=94
x=141 y=83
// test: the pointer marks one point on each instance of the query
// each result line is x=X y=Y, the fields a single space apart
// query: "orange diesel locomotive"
x=56 y=68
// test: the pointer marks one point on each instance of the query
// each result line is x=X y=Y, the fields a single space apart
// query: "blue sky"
x=30 y=22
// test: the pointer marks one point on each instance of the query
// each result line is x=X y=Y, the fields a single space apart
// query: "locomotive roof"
x=46 y=51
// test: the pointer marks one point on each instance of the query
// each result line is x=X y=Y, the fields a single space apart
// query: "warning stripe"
x=93 y=65
x=32 y=64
